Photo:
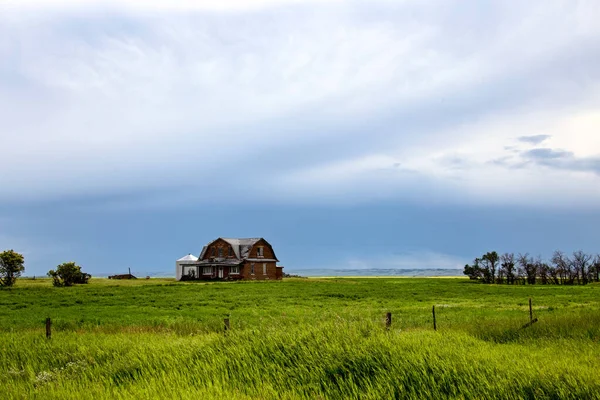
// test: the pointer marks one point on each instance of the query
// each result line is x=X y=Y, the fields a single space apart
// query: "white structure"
x=183 y=261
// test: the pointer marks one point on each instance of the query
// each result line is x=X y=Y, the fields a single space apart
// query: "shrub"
x=68 y=274
x=11 y=266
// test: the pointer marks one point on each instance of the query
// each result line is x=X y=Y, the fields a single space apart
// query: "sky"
x=351 y=135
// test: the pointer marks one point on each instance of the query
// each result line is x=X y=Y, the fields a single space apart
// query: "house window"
x=264 y=269
x=234 y=270
x=220 y=252
x=213 y=252
x=230 y=251
x=259 y=251
x=252 y=269
x=207 y=271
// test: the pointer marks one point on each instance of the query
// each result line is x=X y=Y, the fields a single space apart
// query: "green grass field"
x=299 y=338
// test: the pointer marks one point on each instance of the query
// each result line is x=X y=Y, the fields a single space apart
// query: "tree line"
x=580 y=268
x=12 y=265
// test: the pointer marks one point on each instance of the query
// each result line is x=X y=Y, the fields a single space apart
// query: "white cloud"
x=468 y=166
x=331 y=100
x=158 y=5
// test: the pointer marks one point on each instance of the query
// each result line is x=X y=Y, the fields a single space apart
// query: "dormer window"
x=220 y=252
x=213 y=252
x=259 y=251
x=231 y=252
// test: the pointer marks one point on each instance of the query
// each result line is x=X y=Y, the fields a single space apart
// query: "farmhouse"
x=231 y=259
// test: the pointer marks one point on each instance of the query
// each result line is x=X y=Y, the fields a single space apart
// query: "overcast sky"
x=350 y=134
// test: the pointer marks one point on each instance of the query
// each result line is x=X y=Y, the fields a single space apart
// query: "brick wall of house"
x=258 y=271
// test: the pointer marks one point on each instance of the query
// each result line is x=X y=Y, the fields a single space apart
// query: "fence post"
x=48 y=328
x=388 y=320
x=434 y=324
x=226 y=321
x=531 y=319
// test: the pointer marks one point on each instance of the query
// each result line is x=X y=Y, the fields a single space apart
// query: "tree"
x=581 y=262
x=596 y=268
x=11 y=266
x=523 y=269
x=553 y=273
x=562 y=265
x=473 y=271
x=527 y=268
x=543 y=270
x=507 y=267
x=489 y=262
x=68 y=274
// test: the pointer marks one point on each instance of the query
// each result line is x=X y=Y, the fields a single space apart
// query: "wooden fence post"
x=48 y=328
x=531 y=319
x=434 y=324
x=226 y=321
x=388 y=320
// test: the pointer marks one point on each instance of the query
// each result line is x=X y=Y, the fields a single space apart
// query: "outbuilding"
x=182 y=263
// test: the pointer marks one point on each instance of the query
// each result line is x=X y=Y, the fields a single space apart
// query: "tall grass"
x=334 y=360
x=299 y=339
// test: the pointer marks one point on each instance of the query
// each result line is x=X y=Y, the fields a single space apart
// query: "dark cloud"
x=542 y=154
x=534 y=139
x=562 y=159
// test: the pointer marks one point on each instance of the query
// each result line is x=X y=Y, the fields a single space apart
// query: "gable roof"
x=241 y=246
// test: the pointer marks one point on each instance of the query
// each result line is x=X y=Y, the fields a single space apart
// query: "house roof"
x=241 y=242
x=189 y=257
x=241 y=246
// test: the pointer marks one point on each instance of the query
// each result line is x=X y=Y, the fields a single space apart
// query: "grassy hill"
x=299 y=338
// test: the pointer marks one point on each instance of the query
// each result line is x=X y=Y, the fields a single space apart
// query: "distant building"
x=231 y=259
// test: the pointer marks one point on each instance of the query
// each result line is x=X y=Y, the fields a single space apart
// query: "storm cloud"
x=561 y=159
